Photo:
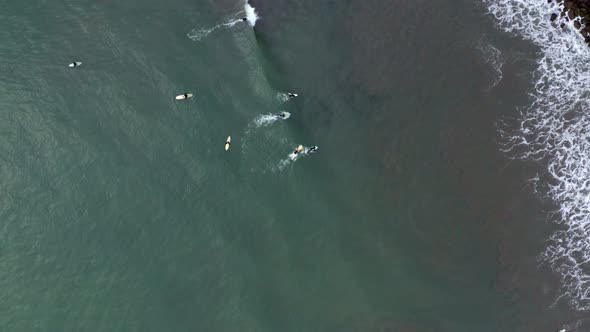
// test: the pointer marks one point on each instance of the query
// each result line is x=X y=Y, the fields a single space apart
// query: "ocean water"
x=553 y=130
x=120 y=210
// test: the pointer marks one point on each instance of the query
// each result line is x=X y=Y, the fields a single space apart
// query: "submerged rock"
x=577 y=11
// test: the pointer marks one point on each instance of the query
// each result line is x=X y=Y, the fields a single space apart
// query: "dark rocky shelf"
x=573 y=9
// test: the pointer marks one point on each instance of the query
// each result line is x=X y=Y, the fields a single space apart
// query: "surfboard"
x=227 y=143
x=311 y=149
x=300 y=149
x=180 y=97
x=74 y=64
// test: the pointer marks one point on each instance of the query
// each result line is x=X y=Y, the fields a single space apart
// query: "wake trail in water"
x=282 y=97
x=265 y=120
x=251 y=18
x=281 y=165
x=198 y=34
x=554 y=130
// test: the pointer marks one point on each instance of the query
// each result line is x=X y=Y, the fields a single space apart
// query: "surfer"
x=283 y=115
x=245 y=19
x=291 y=95
x=294 y=154
x=227 y=143
x=312 y=149
x=186 y=95
x=74 y=64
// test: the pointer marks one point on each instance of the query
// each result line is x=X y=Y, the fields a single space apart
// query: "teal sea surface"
x=120 y=210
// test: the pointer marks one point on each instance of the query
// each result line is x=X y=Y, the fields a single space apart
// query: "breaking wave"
x=555 y=130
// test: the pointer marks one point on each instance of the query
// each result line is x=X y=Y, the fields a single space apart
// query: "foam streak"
x=198 y=34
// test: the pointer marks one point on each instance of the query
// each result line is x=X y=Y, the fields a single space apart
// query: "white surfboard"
x=184 y=96
x=227 y=143
x=74 y=64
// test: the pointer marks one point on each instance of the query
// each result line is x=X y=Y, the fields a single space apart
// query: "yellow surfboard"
x=227 y=143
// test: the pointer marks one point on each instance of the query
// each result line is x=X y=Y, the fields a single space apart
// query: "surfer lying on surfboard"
x=300 y=150
x=227 y=143
x=311 y=149
x=184 y=96
x=74 y=64
x=297 y=151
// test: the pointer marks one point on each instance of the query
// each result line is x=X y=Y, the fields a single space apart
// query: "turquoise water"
x=121 y=211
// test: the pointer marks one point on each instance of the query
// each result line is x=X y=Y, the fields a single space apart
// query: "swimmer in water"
x=245 y=19
x=297 y=151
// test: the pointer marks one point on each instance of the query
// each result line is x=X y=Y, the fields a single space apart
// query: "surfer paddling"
x=184 y=96
x=74 y=64
x=300 y=150
x=295 y=153
x=227 y=143
x=312 y=149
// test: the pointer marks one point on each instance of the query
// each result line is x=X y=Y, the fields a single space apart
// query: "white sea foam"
x=494 y=58
x=264 y=120
x=281 y=165
x=555 y=130
x=198 y=34
x=282 y=97
x=251 y=14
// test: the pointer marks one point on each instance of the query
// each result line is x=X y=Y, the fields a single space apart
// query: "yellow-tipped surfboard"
x=227 y=143
x=184 y=96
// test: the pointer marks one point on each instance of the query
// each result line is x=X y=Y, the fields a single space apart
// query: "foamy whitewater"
x=264 y=120
x=555 y=130
x=198 y=34
x=493 y=57
x=251 y=14
x=282 y=97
